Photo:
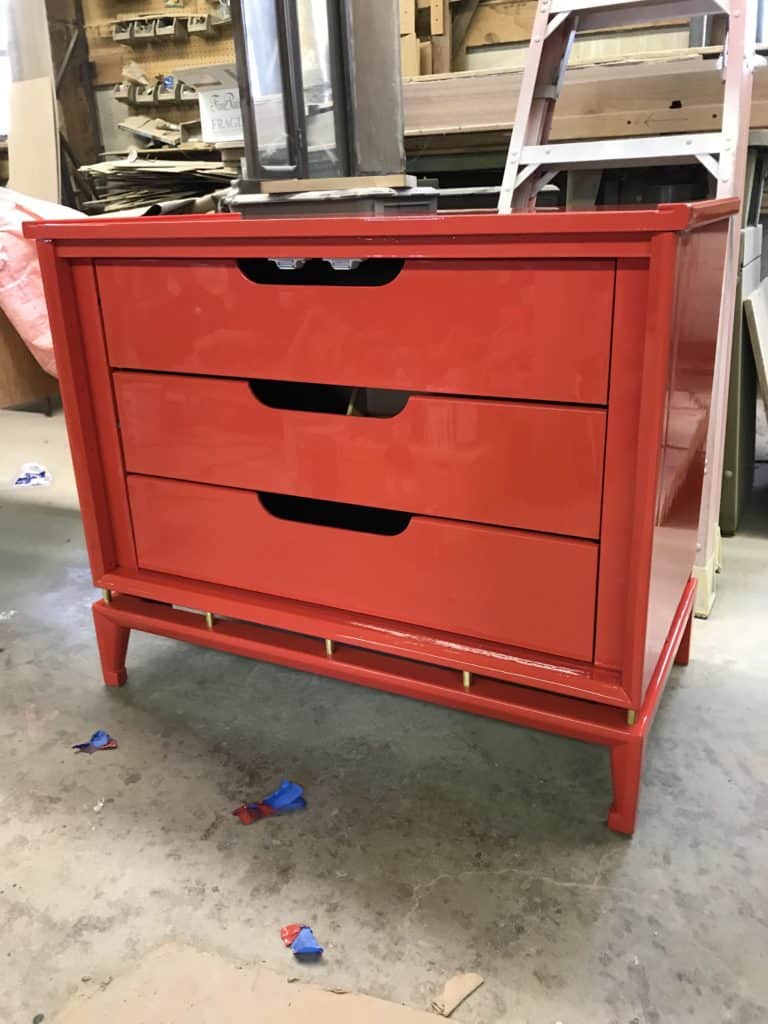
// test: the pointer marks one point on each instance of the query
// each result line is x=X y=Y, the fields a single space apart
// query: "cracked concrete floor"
x=434 y=841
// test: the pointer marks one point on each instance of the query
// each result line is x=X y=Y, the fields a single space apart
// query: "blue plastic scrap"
x=32 y=474
x=306 y=945
x=301 y=940
x=289 y=796
x=99 y=741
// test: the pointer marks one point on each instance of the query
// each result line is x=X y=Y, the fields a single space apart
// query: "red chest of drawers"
x=464 y=468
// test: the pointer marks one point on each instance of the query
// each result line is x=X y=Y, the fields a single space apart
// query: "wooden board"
x=463 y=17
x=21 y=379
x=425 y=58
x=407 y=17
x=756 y=308
x=510 y=21
x=410 y=59
x=33 y=146
x=475 y=110
x=77 y=107
x=442 y=39
x=288 y=185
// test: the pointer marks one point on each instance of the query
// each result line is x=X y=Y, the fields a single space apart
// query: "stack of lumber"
x=473 y=111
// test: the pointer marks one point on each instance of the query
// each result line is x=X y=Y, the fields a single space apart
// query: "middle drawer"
x=527 y=465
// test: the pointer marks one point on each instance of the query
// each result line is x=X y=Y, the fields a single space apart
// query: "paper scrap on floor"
x=32 y=474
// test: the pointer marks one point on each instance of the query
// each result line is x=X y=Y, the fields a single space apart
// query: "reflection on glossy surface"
x=694 y=337
x=524 y=329
x=481 y=581
x=527 y=465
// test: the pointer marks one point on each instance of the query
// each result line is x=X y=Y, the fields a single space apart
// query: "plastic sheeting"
x=21 y=286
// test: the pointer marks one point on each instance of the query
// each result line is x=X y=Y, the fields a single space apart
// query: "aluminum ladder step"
x=646 y=151
x=594 y=15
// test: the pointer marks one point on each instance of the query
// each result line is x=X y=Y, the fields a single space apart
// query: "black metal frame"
x=343 y=111
x=244 y=82
x=291 y=72
x=289 y=52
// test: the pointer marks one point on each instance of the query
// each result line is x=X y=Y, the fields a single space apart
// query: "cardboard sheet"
x=179 y=985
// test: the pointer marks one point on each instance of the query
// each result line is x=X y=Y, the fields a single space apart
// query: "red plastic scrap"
x=290 y=933
x=302 y=942
x=288 y=797
x=248 y=813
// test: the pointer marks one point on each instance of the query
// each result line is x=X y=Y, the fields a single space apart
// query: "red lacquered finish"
x=684 y=438
x=509 y=329
x=466 y=578
x=514 y=540
x=528 y=465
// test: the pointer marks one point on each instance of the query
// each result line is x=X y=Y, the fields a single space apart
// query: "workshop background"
x=447 y=863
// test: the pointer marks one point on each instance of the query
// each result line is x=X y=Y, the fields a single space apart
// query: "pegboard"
x=98 y=12
x=157 y=57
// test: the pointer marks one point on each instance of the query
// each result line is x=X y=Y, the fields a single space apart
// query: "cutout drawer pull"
x=300 y=271
x=358 y=518
x=376 y=403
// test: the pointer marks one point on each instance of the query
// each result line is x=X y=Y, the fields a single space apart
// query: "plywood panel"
x=510 y=21
x=33 y=149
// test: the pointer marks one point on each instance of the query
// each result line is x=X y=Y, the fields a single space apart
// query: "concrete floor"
x=433 y=842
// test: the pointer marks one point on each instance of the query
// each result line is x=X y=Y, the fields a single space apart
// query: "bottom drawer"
x=523 y=589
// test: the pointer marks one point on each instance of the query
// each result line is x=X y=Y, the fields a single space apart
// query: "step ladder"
x=533 y=161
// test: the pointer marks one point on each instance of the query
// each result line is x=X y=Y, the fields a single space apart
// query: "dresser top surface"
x=601 y=223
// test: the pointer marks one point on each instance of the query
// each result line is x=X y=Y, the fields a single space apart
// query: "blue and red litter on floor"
x=288 y=797
x=301 y=940
x=99 y=741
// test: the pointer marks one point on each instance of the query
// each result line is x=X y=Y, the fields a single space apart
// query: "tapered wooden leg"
x=684 y=650
x=113 y=645
x=626 y=769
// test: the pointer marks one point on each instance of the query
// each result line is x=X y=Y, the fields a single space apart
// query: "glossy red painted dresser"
x=463 y=464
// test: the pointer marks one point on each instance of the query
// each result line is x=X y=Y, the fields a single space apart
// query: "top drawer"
x=528 y=329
